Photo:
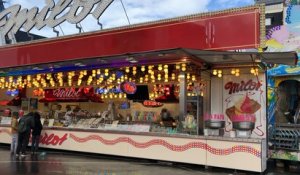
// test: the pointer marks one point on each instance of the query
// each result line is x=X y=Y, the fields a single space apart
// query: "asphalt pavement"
x=49 y=162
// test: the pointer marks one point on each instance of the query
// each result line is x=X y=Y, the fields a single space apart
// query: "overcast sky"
x=138 y=11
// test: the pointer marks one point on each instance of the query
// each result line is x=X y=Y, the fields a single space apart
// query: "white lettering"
x=13 y=18
x=67 y=93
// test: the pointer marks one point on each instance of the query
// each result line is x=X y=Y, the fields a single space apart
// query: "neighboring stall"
x=149 y=91
x=284 y=89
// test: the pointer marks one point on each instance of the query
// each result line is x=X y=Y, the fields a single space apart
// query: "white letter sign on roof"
x=13 y=18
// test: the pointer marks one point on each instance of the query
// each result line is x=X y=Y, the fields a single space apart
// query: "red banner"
x=150 y=103
x=70 y=95
x=215 y=31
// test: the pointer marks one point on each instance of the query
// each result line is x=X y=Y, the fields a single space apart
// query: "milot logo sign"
x=13 y=18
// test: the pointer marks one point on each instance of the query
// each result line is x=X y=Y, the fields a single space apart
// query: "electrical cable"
x=61 y=30
x=125 y=12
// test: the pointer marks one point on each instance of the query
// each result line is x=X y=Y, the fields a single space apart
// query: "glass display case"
x=193 y=123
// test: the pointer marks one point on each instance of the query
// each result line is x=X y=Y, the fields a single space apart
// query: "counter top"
x=177 y=135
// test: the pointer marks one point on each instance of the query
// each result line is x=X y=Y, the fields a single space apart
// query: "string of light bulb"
x=142 y=74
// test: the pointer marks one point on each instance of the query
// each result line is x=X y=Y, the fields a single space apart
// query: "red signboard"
x=71 y=95
x=215 y=31
x=150 y=103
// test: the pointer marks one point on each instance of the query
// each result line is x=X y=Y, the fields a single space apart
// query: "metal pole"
x=182 y=96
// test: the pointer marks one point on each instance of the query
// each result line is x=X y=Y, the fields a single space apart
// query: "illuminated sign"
x=106 y=90
x=128 y=87
x=12 y=19
x=150 y=103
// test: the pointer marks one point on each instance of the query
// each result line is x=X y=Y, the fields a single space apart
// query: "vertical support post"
x=182 y=95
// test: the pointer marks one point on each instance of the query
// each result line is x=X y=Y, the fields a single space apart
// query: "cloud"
x=138 y=11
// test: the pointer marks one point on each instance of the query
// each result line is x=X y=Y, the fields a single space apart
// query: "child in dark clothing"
x=36 y=133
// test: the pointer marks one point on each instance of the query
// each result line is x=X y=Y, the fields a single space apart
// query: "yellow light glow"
x=193 y=78
x=160 y=67
x=188 y=76
x=219 y=75
x=233 y=71
x=134 y=68
x=85 y=72
x=143 y=68
x=215 y=72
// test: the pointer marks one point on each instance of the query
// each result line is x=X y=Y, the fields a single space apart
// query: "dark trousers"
x=23 y=141
x=35 y=143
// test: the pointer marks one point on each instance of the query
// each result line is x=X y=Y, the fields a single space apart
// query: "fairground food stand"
x=117 y=82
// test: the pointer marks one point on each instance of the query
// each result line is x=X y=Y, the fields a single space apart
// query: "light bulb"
x=215 y=72
x=219 y=75
x=143 y=68
x=160 y=67
x=233 y=71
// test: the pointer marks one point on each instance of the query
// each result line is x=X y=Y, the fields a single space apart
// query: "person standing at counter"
x=166 y=119
x=36 y=133
x=26 y=123
x=57 y=112
x=14 y=132
x=68 y=115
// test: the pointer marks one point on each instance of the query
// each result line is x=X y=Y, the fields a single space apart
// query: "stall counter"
x=234 y=153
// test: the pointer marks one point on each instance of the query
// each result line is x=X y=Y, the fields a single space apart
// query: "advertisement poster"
x=244 y=104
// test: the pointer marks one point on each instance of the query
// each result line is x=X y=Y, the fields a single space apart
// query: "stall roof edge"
x=205 y=59
x=229 y=57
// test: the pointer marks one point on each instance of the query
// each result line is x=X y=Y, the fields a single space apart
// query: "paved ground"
x=58 y=163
